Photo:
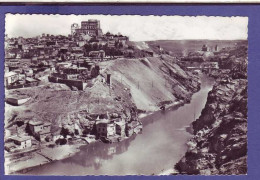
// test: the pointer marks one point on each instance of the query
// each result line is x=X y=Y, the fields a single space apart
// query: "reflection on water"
x=159 y=147
x=94 y=154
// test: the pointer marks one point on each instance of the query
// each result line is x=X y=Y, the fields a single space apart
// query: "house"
x=17 y=100
x=81 y=43
x=120 y=128
x=64 y=50
x=111 y=43
x=77 y=51
x=61 y=66
x=105 y=128
x=133 y=127
x=97 y=54
x=13 y=64
x=19 y=55
x=108 y=35
x=10 y=78
x=28 y=72
x=51 y=43
x=210 y=65
x=22 y=141
x=31 y=81
x=10 y=55
x=122 y=39
x=148 y=52
x=42 y=135
x=10 y=146
x=34 y=60
x=35 y=126
x=102 y=41
x=39 y=129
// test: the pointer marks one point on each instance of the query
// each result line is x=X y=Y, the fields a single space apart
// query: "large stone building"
x=90 y=27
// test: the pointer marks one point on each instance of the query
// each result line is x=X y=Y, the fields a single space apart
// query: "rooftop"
x=10 y=145
x=30 y=79
x=103 y=121
x=20 y=138
x=120 y=123
x=47 y=124
x=11 y=73
x=35 y=123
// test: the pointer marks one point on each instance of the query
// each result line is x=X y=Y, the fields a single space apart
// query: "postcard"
x=125 y=95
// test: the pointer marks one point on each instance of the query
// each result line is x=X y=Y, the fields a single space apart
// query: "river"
x=160 y=146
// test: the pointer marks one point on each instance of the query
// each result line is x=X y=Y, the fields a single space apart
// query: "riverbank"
x=219 y=143
x=48 y=155
x=164 y=132
x=167 y=107
x=144 y=117
x=41 y=157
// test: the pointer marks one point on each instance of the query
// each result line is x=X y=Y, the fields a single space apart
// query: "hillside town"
x=65 y=92
x=73 y=61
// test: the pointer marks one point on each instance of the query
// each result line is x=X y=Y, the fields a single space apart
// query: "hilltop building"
x=90 y=27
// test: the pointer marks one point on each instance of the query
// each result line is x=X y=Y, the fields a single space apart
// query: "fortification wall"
x=76 y=83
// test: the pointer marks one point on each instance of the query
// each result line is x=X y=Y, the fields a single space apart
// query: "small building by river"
x=40 y=130
x=120 y=128
x=105 y=128
x=18 y=142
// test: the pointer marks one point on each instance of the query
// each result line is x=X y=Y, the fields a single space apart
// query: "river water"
x=158 y=148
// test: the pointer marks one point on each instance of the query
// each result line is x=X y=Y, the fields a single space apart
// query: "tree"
x=120 y=45
x=131 y=47
x=100 y=46
x=116 y=44
x=95 y=46
x=130 y=54
x=112 y=52
x=105 y=46
x=87 y=48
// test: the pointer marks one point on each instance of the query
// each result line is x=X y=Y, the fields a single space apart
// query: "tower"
x=74 y=26
x=216 y=48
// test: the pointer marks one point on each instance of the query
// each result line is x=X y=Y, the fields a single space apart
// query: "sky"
x=138 y=28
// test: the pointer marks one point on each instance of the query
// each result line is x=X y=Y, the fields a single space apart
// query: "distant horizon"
x=137 y=28
x=157 y=39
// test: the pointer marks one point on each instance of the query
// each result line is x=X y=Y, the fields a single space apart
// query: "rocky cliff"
x=219 y=144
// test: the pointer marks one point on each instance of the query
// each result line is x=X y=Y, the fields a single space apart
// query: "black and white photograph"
x=125 y=95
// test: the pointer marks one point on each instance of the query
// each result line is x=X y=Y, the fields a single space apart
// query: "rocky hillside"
x=136 y=83
x=219 y=144
x=152 y=81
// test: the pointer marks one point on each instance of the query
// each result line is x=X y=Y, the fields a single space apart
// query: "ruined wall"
x=22 y=85
x=76 y=83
